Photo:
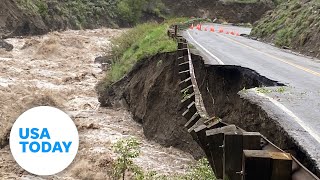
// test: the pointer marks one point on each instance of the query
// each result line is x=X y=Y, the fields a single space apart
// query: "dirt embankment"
x=293 y=24
x=151 y=92
x=230 y=11
x=223 y=90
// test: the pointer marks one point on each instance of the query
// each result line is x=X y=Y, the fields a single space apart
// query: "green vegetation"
x=36 y=6
x=130 y=10
x=292 y=24
x=140 y=42
x=264 y=90
x=281 y=89
x=200 y=171
x=128 y=149
x=86 y=13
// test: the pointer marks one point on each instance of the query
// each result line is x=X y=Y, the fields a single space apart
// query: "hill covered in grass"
x=23 y=17
x=294 y=24
x=232 y=11
x=31 y=17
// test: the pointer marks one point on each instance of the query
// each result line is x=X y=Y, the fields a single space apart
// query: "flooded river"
x=58 y=69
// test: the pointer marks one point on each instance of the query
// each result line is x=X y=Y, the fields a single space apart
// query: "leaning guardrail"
x=232 y=152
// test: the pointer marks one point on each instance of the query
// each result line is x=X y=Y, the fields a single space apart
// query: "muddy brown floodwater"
x=58 y=69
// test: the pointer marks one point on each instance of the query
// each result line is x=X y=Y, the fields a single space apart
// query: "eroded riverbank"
x=58 y=69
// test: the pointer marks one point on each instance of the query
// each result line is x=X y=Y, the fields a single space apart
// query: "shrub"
x=201 y=170
x=127 y=149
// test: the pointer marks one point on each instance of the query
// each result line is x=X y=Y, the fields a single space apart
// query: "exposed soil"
x=151 y=92
x=58 y=69
x=15 y=21
x=223 y=89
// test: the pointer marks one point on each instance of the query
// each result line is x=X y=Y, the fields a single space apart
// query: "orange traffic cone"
x=191 y=27
x=227 y=32
x=205 y=29
x=220 y=30
x=232 y=33
x=237 y=34
x=212 y=29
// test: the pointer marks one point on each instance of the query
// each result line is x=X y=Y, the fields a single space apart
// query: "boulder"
x=5 y=45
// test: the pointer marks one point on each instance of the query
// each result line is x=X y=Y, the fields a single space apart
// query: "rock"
x=5 y=45
x=102 y=60
x=244 y=35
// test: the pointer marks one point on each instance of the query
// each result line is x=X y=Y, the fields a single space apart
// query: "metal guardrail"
x=232 y=152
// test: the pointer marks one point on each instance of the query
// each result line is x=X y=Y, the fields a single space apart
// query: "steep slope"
x=13 y=20
x=234 y=11
x=33 y=17
x=294 y=24
x=151 y=92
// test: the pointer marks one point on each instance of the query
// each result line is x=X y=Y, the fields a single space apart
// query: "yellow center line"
x=274 y=57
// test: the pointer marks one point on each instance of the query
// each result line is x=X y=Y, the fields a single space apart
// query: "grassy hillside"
x=142 y=41
x=117 y=11
x=24 y=17
x=294 y=24
x=233 y=11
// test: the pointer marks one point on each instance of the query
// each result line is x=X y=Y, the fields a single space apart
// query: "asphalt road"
x=297 y=106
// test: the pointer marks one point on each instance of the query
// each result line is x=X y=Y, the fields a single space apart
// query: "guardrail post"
x=175 y=30
x=180 y=45
x=266 y=165
x=251 y=140
x=233 y=149
x=215 y=138
x=203 y=140
x=234 y=144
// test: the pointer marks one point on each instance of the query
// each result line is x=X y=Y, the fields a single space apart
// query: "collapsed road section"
x=160 y=92
x=294 y=107
x=219 y=86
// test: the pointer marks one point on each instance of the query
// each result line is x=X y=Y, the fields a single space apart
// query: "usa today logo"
x=44 y=140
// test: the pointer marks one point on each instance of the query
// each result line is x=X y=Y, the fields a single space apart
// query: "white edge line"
x=291 y=114
x=215 y=57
